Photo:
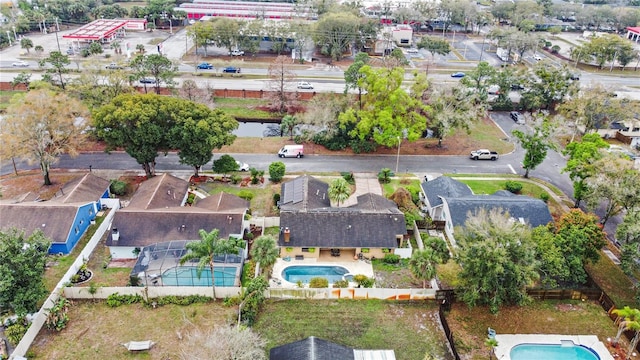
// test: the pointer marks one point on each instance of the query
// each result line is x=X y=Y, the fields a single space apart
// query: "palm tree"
x=626 y=317
x=265 y=252
x=205 y=251
x=339 y=190
x=287 y=124
x=491 y=343
x=423 y=265
x=635 y=327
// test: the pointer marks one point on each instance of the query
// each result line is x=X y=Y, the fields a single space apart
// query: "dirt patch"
x=397 y=279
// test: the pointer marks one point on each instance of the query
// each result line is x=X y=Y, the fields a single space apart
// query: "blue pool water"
x=188 y=276
x=552 y=352
x=297 y=273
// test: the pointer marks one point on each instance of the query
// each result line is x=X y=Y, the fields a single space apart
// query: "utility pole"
x=15 y=36
x=9 y=37
x=58 y=41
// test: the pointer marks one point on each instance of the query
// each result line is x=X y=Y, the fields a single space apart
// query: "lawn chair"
x=138 y=345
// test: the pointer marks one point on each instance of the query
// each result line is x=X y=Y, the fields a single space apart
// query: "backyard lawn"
x=409 y=328
x=96 y=331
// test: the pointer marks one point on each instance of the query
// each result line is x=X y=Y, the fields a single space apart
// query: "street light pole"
x=398 y=156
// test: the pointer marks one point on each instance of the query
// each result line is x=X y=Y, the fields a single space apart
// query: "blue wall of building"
x=81 y=222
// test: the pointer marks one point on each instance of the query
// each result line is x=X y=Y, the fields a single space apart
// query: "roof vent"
x=115 y=235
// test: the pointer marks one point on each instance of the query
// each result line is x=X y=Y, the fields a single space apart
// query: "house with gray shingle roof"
x=451 y=201
x=313 y=348
x=158 y=213
x=64 y=218
x=310 y=226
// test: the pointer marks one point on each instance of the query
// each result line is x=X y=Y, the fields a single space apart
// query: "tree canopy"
x=389 y=112
x=145 y=125
x=536 y=144
x=22 y=265
x=498 y=260
x=582 y=157
x=43 y=125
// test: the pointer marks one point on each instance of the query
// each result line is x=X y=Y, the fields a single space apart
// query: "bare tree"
x=222 y=343
x=192 y=92
x=281 y=84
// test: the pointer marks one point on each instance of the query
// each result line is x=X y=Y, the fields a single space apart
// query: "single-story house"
x=64 y=218
x=450 y=202
x=310 y=226
x=158 y=213
x=627 y=131
x=313 y=348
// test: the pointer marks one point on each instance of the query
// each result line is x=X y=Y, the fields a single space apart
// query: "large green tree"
x=580 y=236
x=198 y=130
x=22 y=261
x=594 y=108
x=498 y=261
x=628 y=234
x=553 y=267
x=536 y=143
x=434 y=45
x=547 y=86
x=59 y=63
x=140 y=124
x=353 y=75
x=206 y=249
x=389 y=111
x=479 y=80
x=616 y=186
x=156 y=66
x=451 y=110
x=334 y=32
x=580 y=166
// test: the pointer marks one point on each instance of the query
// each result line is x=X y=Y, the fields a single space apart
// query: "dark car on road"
x=517 y=117
x=457 y=74
x=148 y=80
x=231 y=69
x=205 y=66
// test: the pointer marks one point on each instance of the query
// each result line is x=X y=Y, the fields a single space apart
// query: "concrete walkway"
x=365 y=183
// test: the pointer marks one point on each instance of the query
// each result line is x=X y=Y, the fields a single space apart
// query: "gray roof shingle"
x=311 y=348
x=444 y=186
x=54 y=219
x=535 y=212
x=162 y=191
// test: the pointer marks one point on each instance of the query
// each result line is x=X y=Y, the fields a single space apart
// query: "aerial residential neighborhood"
x=218 y=179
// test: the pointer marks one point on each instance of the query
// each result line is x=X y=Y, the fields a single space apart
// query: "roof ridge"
x=153 y=195
x=66 y=197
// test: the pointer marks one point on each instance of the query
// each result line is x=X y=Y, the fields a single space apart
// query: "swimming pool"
x=297 y=273
x=188 y=276
x=552 y=352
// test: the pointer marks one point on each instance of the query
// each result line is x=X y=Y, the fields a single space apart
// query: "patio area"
x=354 y=267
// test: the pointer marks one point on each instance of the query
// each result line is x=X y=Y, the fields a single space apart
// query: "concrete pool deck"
x=507 y=341
x=355 y=267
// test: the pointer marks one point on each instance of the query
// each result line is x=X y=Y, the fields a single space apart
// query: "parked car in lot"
x=304 y=85
x=574 y=76
x=458 y=74
x=236 y=53
x=517 y=117
x=517 y=87
x=114 y=66
x=205 y=66
x=231 y=69
x=20 y=64
x=147 y=80
x=494 y=90
x=412 y=51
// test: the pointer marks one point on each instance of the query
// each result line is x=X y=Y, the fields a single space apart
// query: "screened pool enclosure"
x=159 y=265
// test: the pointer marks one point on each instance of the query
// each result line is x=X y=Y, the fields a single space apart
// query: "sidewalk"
x=365 y=183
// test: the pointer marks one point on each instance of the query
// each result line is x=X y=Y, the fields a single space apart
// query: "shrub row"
x=115 y=300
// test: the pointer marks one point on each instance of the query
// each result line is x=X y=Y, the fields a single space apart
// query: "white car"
x=537 y=57
x=20 y=64
x=236 y=53
x=413 y=51
x=242 y=166
x=304 y=85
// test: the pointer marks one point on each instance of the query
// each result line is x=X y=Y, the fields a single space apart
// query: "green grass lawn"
x=485 y=187
x=409 y=328
x=244 y=108
x=262 y=202
x=389 y=188
x=5 y=98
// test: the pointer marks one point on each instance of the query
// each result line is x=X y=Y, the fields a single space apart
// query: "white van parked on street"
x=291 y=151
